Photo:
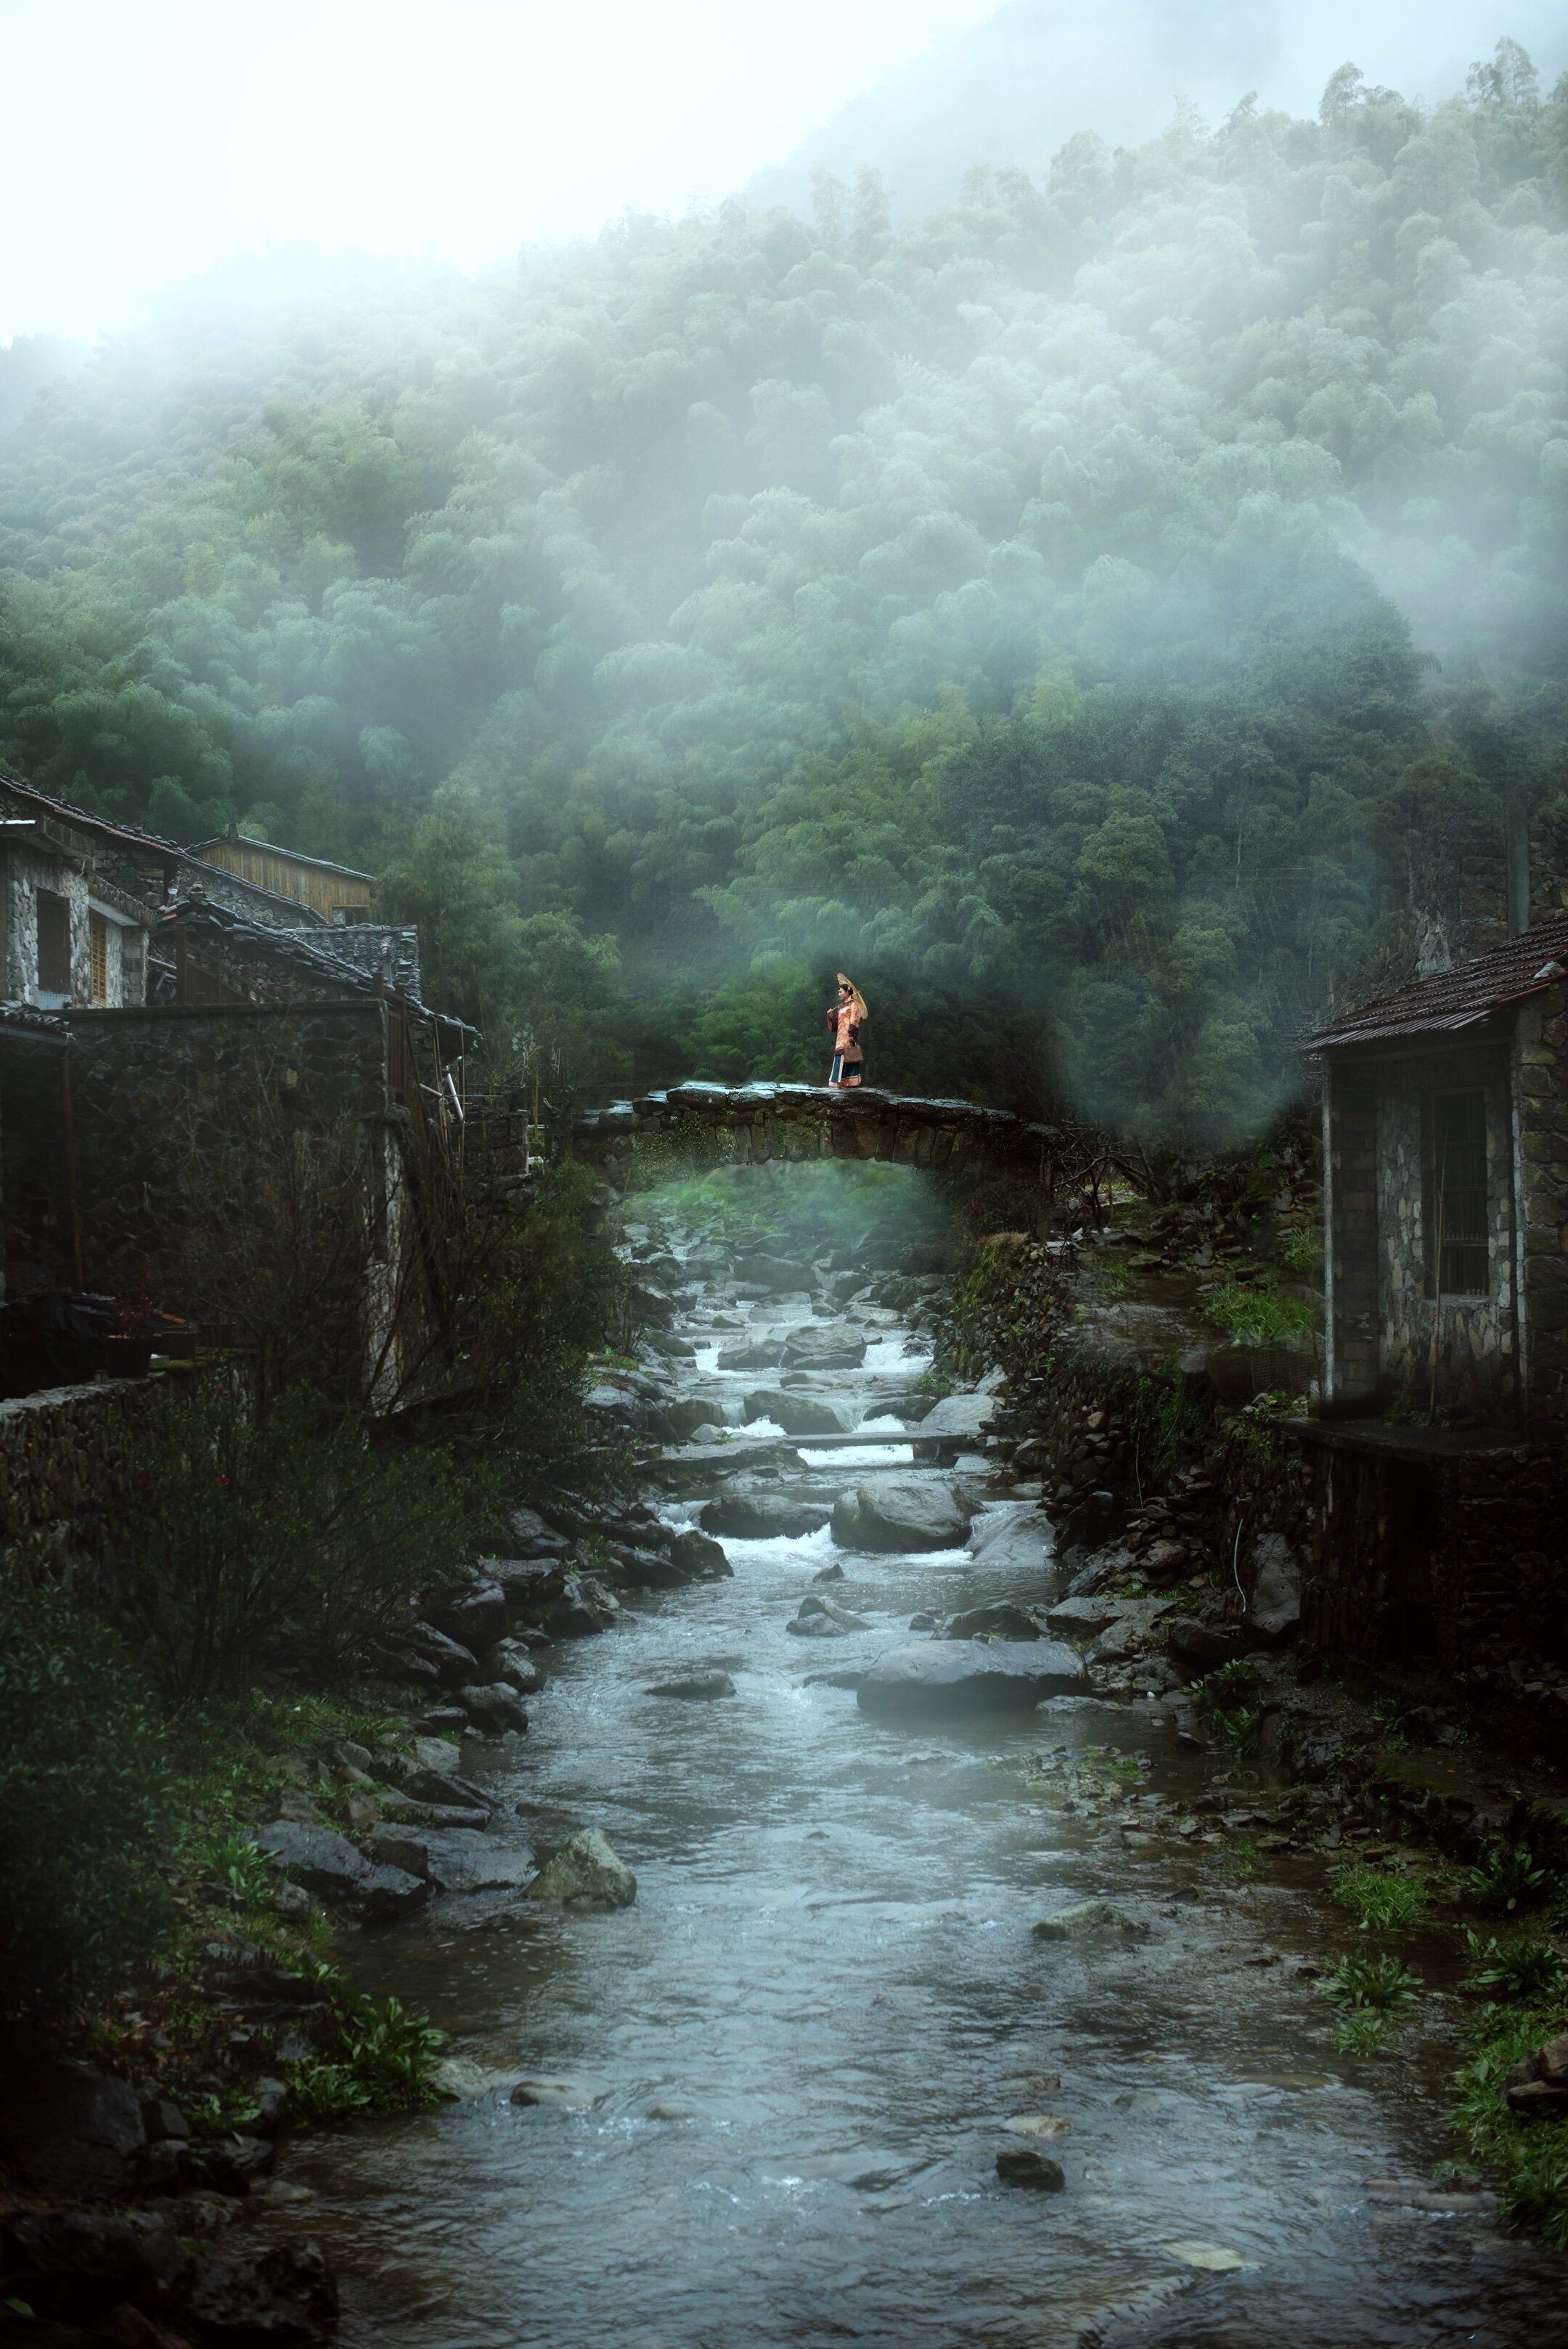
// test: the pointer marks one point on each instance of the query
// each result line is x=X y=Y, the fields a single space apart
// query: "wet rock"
x=1537 y=2100
x=1130 y=1633
x=816 y=1627
x=586 y=1873
x=283 y=2297
x=752 y=1355
x=462 y=2080
x=1036 y=2125
x=1275 y=1607
x=845 y=1616
x=958 y=1676
x=898 y=1513
x=497 y=1709
x=445 y=1790
x=1013 y=1539
x=695 y=1684
x=1082 y=1618
x=1098 y=1571
x=818 y=1346
x=1081 y=1918
x=699 y=1557
x=561 y=2093
x=329 y=1865
x=960 y=1415
x=763 y=1516
x=161 y=2116
x=535 y=1536
x=1020 y=2165
x=1003 y=1621
x=510 y=1662
x=233 y=2163
x=922 y=1622
x=1202 y=1646
x=833 y=1573
x=451 y=1661
x=584 y=1609
x=71 y=2130
x=76 y=2264
x=397 y=1847
x=1315 y=1755
x=531 y=1586
x=474 y=1614
x=474 y=1863
x=797 y=1414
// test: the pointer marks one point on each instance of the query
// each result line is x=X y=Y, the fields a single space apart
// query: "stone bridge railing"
x=768 y=1123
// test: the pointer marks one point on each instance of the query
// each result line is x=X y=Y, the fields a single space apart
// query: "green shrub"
x=1259 y=1317
x=1507 y=1877
x=1383 y=1902
x=1382 y=1982
x=286 y=1538
x=1525 y=1969
x=384 y=2062
x=1531 y=2163
x=86 y=1804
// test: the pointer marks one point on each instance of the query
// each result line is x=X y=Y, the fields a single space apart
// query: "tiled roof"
x=1460 y=997
x=130 y=835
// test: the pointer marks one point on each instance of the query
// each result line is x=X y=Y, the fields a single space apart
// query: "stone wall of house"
x=155 y=1091
x=28 y=868
x=1350 y=1195
x=1476 y=1366
x=1435 y=1548
x=1540 y=1047
x=68 y=1458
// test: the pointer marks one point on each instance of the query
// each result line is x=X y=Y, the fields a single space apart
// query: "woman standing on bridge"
x=846 y=1018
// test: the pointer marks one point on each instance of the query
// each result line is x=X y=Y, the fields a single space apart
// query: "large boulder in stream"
x=763 y=1516
x=797 y=1414
x=960 y=1415
x=752 y=1355
x=586 y=1873
x=946 y=1677
x=824 y=1346
x=895 y=1513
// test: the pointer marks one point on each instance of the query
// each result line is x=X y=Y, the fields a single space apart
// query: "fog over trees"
x=1105 y=613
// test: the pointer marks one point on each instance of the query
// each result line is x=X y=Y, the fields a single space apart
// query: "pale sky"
x=146 y=139
x=144 y=142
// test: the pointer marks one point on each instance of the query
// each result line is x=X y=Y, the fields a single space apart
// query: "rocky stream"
x=963 y=1999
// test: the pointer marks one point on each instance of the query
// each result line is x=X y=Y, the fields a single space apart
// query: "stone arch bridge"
x=767 y=1122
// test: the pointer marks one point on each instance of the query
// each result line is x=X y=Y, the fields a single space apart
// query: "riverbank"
x=860 y=1979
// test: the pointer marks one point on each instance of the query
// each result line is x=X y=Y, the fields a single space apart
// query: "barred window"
x=98 y=942
x=1458 y=1193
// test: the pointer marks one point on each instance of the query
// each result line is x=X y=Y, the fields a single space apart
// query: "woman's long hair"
x=861 y=1014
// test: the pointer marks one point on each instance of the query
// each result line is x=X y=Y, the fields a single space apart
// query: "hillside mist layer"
x=1106 y=614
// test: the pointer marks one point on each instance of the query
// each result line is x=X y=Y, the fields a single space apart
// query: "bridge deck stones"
x=792 y=1122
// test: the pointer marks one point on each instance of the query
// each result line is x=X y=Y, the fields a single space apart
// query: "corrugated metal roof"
x=1462 y=997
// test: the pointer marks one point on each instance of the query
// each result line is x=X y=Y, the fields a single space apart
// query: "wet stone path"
x=795 y=2060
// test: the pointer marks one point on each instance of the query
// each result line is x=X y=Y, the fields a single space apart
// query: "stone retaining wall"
x=68 y=1460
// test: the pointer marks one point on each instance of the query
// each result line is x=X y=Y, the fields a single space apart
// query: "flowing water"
x=804 y=2039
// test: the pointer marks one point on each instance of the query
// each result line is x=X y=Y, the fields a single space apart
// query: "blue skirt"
x=843 y=1068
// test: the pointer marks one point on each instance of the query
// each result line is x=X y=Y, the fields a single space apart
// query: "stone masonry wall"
x=148 y=1085
x=1542 y=1083
x=68 y=1456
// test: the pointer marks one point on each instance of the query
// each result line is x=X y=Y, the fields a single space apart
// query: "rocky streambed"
x=903 y=1971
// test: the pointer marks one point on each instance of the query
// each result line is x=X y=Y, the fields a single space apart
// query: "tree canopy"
x=1106 y=614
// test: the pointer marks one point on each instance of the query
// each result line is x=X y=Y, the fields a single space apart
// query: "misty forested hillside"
x=1105 y=615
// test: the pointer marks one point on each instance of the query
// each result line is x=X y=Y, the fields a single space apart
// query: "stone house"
x=1438 y=1446
x=164 y=1017
x=78 y=899
x=1445 y=1109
